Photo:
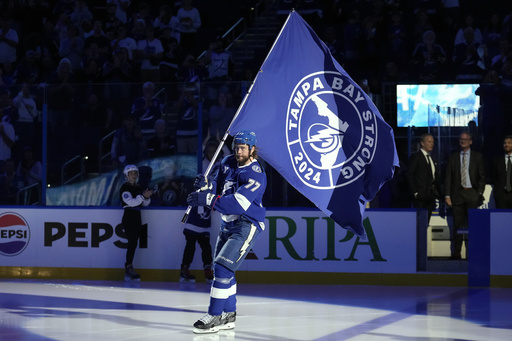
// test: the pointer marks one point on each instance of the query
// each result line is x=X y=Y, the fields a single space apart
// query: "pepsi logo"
x=14 y=234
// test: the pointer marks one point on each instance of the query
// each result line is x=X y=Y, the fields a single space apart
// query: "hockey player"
x=132 y=198
x=197 y=229
x=236 y=193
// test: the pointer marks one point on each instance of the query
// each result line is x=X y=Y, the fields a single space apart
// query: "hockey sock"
x=223 y=290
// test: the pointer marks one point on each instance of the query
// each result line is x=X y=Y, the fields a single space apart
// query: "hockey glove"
x=200 y=199
x=201 y=182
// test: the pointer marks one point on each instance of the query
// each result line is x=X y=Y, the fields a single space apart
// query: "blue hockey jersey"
x=240 y=191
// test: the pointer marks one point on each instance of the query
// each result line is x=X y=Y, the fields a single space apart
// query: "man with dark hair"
x=501 y=176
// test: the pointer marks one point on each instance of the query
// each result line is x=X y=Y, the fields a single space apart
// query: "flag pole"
x=221 y=144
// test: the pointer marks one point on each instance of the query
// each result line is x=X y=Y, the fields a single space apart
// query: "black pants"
x=203 y=239
x=461 y=203
x=132 y=226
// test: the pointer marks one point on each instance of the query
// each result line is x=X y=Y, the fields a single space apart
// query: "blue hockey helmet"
x=245 y=137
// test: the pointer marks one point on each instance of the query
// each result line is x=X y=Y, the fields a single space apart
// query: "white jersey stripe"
x=242 y=201
x=223 y=293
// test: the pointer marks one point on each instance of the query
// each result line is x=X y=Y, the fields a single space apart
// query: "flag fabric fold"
x=317 y=127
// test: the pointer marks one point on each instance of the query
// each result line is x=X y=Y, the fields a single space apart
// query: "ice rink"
x=101 y=310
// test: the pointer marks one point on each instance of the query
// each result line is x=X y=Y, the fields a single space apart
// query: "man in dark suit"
x=502 y=176
x=423 y=176
x=464 y=187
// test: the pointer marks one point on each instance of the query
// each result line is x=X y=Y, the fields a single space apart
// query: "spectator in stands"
x=28 y=113
x=171 y=190
x=138 y=31
x=127 y=143
x=219 y=63
x=143 y=13
x=191 y=70
x=72 y=47
x=171 y=57
x=186 y=128
x=220 y=115
x=28 y=68
x=161 y=143
x=122 y=9
x=36 y=43
x=98 y=37
x=466 y=58
x=29 y=169
x=492 y=34
x=9 y=41
x=469 y=22
x=118 y=75
x=92 y=66
x=80 y=13
x=10 y=183
x=166 y=19
x=7 y=75
x=421 y=25
x=397 y=38
x=61 y=100
x=149 y=53
x=147 y=108
x=428 y=59
x=61 y=27
x=111 y=21
x=394 y=73
x=49 y=40
x=123 y=40
x=504 y=53
x=7 y=137
x=189 y=23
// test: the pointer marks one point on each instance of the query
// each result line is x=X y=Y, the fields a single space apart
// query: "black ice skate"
x=186 y=276
x=130 y=275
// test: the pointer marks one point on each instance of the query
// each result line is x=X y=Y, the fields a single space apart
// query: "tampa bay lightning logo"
x=331 y=130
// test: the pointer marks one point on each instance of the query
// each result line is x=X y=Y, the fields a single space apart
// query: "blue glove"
x=200 y=199
x=201 y=183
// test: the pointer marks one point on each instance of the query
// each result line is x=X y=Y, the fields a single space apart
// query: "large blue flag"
x=317 y=127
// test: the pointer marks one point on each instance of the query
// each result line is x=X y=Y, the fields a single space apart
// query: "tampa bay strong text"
x=325 y=110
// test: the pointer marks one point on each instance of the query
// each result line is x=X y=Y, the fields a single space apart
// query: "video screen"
x=439 y=105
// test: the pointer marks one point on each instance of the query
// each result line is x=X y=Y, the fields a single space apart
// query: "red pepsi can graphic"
x=14 y=234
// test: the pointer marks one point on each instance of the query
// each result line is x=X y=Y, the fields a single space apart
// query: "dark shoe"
x=186 y=276
x=130 y=274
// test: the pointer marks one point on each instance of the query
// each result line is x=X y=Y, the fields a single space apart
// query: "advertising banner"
x=301 y=240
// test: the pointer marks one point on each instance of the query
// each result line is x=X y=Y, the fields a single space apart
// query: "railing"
x=101 y=156
x=235 y=32
x=69 y=163
x=25 y=195
x=238 y=29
